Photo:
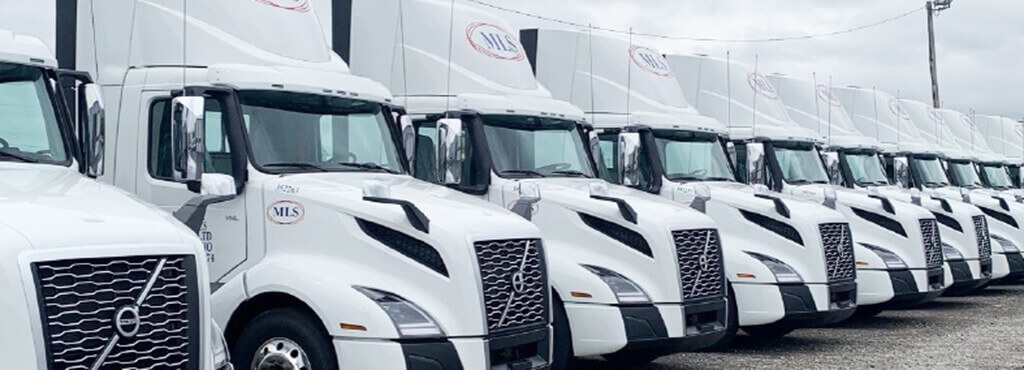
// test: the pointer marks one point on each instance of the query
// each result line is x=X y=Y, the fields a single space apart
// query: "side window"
x=218 y=152
x=609 y=169
x=740 y=156
x=424 y=162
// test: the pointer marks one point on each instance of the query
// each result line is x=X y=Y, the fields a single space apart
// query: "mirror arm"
x=624 y=208
x=780 y=206
x=886 y=204
x=524 y=207
x=193 y=212
x=413 y=213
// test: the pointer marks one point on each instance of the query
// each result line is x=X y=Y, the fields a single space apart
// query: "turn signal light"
x=862 y=263
x=744 y=275
x=345 y=326
x=581 y=295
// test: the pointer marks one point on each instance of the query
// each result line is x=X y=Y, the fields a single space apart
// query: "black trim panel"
x=881 y=220
x=778 y=227
x=630 y=238
x=1002 y=217
x=948 y=221
x=439 y=355
x=415 y=249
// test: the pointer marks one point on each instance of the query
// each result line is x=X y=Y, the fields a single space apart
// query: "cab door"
x=223 y=232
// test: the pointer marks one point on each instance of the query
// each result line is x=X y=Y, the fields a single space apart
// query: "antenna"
x=728 y=87
x=817 y=109
x=874 y=102
x=899 y=114
x=401 y=34
x=829 y=109
x=972 y=129
x=590 y=48
x=629 y=76
x=451 y=37
x=753 y=108
x=184 y=43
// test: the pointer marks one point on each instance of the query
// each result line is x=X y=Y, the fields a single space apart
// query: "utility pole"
x=932 y=8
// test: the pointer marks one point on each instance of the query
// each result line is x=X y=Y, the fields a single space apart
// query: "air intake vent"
x=932 y=243
x=700 y=263
x=838 y=244
x=1002 y=217
x=118 y=313
x=984 y=242
x=625 y=236
x=948 y=221
x=884 y=222
x=408 y=246
x=778 y=227
x=515 y=283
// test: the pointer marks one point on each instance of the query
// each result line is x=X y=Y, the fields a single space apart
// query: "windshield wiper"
x=934 y=184
x=520 y=173
x=571 y=173
x=297 y=165
x=368 y=166
x=20 y=157
x=799 y=181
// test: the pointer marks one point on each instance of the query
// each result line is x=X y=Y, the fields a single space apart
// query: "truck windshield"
x=296 y=132
x=965 y=174
x=997 y=175
x=692 y=156
x=800 y=163
x=865 y=168
x=522 y=146
x=929 y=169
x=29 y=129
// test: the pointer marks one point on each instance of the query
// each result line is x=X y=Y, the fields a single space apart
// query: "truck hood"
x=54 y=207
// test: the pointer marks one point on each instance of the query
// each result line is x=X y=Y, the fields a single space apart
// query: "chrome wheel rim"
x=280 y=354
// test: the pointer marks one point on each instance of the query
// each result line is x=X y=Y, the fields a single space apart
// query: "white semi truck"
x=634 y=277
x=325 y=254
x=962 y=226
x=764 y=132
x=1006 y=137
x=912 y=260
x=776 y=284
x=92 y=278
x=964 y=152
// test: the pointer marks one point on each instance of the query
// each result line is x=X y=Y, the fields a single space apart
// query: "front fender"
x=739 y=262
x=867 y=259
x=567 y=276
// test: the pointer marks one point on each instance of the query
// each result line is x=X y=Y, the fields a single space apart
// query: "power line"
x=699 y=39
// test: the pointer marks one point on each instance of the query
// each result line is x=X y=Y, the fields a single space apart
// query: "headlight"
x=1008 y=246
x=626 y=291
x=783 y=272
x=951 y=253
x=410 y=320
x=891 y=259
x=221 y=355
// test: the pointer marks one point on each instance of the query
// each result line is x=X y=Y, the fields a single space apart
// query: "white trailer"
x=964 y=235
x=904 y=236
x=636 y=106
x=91 y=276
x=625 y=266
x=325 y=254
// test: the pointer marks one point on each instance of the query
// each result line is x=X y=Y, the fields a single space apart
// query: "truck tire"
x=732 y=324
x=562 y=353
x=287 y=337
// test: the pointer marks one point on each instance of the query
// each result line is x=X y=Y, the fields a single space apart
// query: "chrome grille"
x=838 y=244
x=932 y=242
x=700 y=263
x=79 y=300
x=515 y=285
x=984 y=242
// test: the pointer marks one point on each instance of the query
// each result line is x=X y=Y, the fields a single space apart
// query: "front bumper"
x=520 y=351
x=599 y=329
x=797 y=304
x=968 y=275
x=1014 y=265
x=899 y=288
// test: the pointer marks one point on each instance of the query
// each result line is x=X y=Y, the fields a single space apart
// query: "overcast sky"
x=980 y=42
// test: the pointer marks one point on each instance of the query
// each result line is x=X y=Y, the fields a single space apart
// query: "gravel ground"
x=979 y=331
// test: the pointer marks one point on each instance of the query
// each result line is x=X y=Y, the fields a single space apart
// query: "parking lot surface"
x=979 y=331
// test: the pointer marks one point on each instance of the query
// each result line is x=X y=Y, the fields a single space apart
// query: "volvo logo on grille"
x=126 y=321
x=704 y=262
x=519 y=282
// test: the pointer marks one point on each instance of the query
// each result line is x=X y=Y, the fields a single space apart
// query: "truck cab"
x=911 y=271
x=1006 y=138
x=964 y=234
x=92 y=276
x=647 y=136
x=625 y=266
x=325 y=253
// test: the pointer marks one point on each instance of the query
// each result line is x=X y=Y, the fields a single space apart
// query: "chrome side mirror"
x=755 y=163
x=901 y=171
x=187 y=132
x=831 y=160
x=629 y=158
x=218 y=185
x=93 y=126
x=451 y=151
x=594 y=142
x=408 y=132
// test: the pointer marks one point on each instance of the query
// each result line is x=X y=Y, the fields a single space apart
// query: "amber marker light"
x=355 y=327
x=744 y=275
x=581 y=295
